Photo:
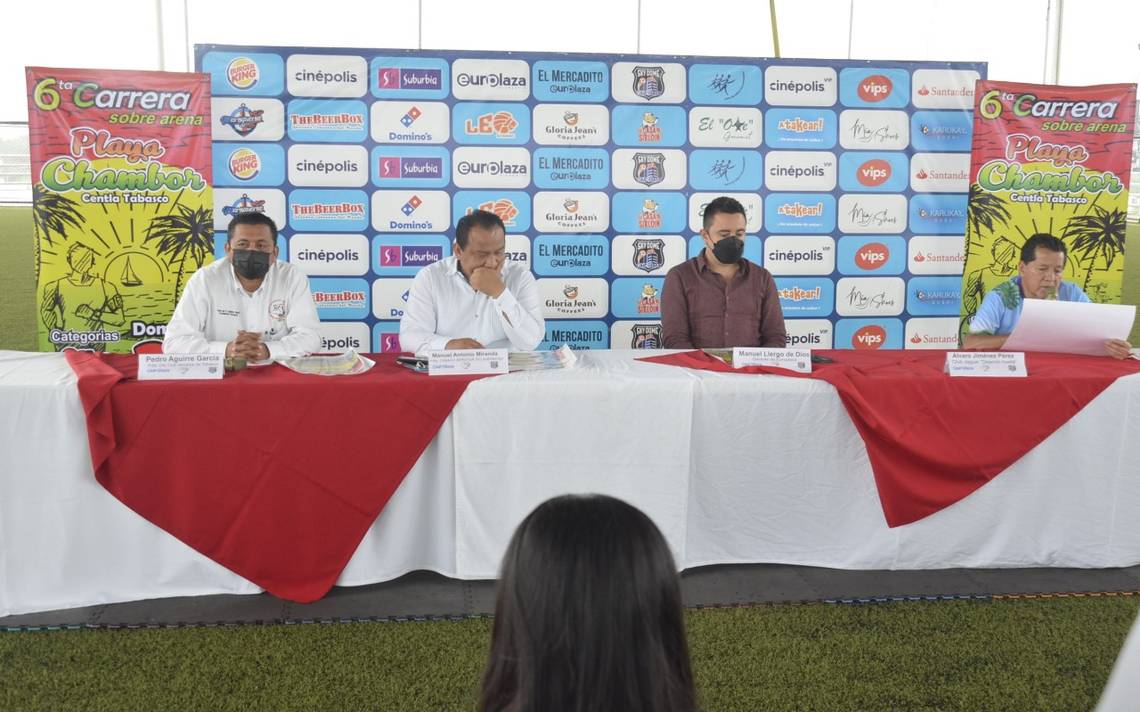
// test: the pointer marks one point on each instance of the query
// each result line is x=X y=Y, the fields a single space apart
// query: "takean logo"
x=409 y=255
x=869 y=337
x=798 y=125
x=244 y=164
x=873 y=173
x=242 y=73
x=872 y=256
x=799 y=294
x=799 y=210
x=875 y=88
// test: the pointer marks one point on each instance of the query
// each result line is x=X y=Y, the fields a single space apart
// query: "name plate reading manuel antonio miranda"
x=467 y=362
x=1003 y=364
x=798 y=360
x=180 y=367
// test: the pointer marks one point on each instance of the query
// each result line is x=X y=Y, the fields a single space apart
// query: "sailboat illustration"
x=129 y=278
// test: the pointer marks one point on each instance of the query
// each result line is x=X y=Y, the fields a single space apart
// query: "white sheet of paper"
x=180 y=367
x=1069 y=327
x=1004 y=364
x=798 y=360
x=466 y=362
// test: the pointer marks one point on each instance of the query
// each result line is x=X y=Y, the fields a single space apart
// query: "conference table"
x=734 y=467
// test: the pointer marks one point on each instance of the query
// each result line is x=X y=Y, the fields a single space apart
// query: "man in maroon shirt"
x=718 y=299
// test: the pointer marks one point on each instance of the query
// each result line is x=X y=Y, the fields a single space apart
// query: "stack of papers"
x=349 y=363
x=562 y=357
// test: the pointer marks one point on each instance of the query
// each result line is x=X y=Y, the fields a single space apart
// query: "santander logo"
x=874 y=172
x=875 y=88
x=871 y=336
x=872 y=256
x=916 y=339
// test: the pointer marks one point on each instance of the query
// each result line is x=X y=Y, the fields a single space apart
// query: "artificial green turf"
x=1037 y=655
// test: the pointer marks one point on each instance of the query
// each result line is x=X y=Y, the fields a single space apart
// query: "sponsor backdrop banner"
x=854 y=176
x=1049 y=159
x=121 y=202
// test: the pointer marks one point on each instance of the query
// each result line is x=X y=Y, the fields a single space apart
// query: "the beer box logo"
x=246 y=74
x=944 y=88
x=403 y=255
x=577 y=334
x=649 y=82
x=800 y=170
x=586 y=168
x=635 y=255
x=386 y=338
x=931 y=333
x=570 y=81
x=806 y=296
x=872 y=213
x=231 y=202
x=941 y=130
x=879 y=88
x=247 y=119
x=800 y=86
x=338 y=338
x=248 y=164
x=574 y=297
x=934 y=296
x=800 y=128
x=799 y=213
x=340 y=299
x=722 y=127
x=726 y=170
x=940 y=172
x=518 y=250
x=571 y=125
x=753 y=251
x=390 y=297
x=409 y=77
x=650 y=212
x=326 y=75
x=799 y=255
x=636 y=334
x=642 y=170
x=490 y=79
x=558 y=255
x=809 y=333
x=571 y=211
x=932 y=214
x=328 y=166
x=637 y=298
x=936 y=254
x=492 y=167
x=719 y=84
x=870 y=296
x=327 y=210
x=318 y=255
x=872 y=255
x=868 y=334
x=873 y=172
x=491 y=124
x=411 y=211
x=411 y=167
x=328 y=120
x=410 y=122
x=753 y=209
x=512 y=206
x=865 y=130
x=649 y=127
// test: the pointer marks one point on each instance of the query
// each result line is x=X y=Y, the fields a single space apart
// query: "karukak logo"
x=397 y=78
x=871 y=336
x=244 y=204
x=395 y=167
x=875 y=88
x=872 y=256
x=242 y=73
x=500 y=124
x=503 y=207
x=650 y=216
x=245 y=164
x=410 y=207
x=243 y=120
x=873 y=173
x=410 y=118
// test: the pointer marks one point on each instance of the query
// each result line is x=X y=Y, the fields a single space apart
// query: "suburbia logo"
x=797 y=294
x=245 y=164
x=328 y=211
x=390 y=343
x=344 y=299
x=242 y=73
x=875 y=88
x=395 y=167
x=396 y=78
x=343 y=121
x=409 y=255
x=503 y=207
x=871 y=336
x=500 y=124
x=873 y=173
x=799 y=126
x=872 y=256
x=243 y=120
x=799 y=210
x=243 y=205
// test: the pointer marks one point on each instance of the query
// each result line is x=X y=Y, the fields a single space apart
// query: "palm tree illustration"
x=53 y=213
x=1099 y=233
x=185 y=235
x=985 y=209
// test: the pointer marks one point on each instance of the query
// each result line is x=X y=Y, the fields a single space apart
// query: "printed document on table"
x=349 y=363
x=1069 y=327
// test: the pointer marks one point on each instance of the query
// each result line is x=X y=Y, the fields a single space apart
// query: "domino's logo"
x=410 y=118
x=410 y=206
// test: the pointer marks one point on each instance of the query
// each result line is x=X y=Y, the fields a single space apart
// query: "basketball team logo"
x=243 y=205
x=244 y=164
x=242 y=73
x=648 y=255
x=648 y=82
x=243 y=120
x=649 y=168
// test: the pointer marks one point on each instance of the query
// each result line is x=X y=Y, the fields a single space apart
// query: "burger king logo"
x=869 y=337
x=245 y=164
x=242 y=73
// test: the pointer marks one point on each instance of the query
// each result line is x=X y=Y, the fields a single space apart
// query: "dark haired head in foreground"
x=588 y=616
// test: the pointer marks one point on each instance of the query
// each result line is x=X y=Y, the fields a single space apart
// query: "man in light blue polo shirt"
x=1039 y=277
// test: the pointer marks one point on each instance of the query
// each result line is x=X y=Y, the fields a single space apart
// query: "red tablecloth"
x=932 y=439
x=275 y=475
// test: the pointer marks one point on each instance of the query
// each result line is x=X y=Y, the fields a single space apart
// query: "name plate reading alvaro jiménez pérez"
x=467 y=362
x=180 y=367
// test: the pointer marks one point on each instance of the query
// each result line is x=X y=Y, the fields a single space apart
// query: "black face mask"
x=251 y=264
x=729 y=250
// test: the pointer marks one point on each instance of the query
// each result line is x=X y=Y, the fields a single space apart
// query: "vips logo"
x=340 y=299
x=390 y=297
x=482 y=79
x=753 y=211
x=799 y=212
x=410 y=167
x=869 y=296
x=800 y=86
x=935 y=254
x=941 y=130
x=247 y=118
x=584 y=298
x=805 y=296
x=869 y=337
x=409 y=77
x=587 y=168
x=571 y=81
x=341 y=337
x=326 y=75
x=491 y=124
x=934 y=296
x=800 y=255
x=634 y=83
x=636 y=334
x=800 y=170
x=410 y=122
x=872 y=213
x=231 y=202
x=317 y=255
x=329 y=120
x=800 y=128
x=872 y=172
x=316 y=210
x=404 y=255
x=243 y=73
x=492 y=167
x=328 y=166
x=879 y=88
x=932 y=333
x=725 y=170
x=938 y=214
x=244 y=164
x=940 y=172
x=571 y=125
x=573 y=211
x=868 y=334
x=715 y=127
x=738 y=84
x=571 y=255
x=641 y=170
x=875 y=130
x=649 y=212
x=577 y=334
x=637 y=298
x=386 y=338
x=808 y=333
x=944 y=89
x=512 y=207
x=875 y=88
x=411 y=211
x=872 y=256
x=657 y=126
x=635 y=255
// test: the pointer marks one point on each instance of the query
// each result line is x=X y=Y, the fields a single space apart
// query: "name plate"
x=1003 y=364
x=467 y=362
x=798 y=360
x=181 y=367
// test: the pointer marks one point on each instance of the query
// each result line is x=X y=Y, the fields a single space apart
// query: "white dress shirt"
x=442 y=306
x=214 y=306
